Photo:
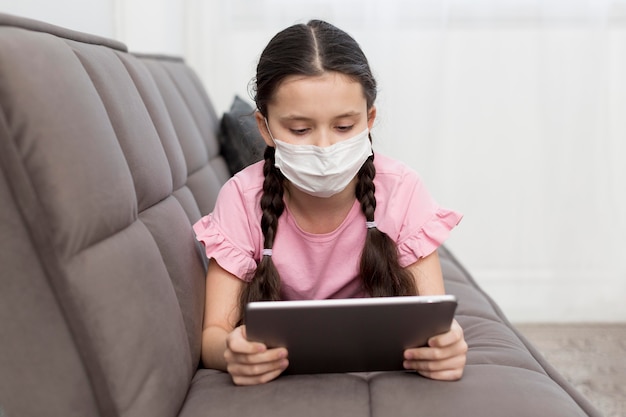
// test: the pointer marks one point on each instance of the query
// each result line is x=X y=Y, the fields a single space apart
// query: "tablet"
x=349 y=335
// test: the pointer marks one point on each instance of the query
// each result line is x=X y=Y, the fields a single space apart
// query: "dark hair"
x=313 y=49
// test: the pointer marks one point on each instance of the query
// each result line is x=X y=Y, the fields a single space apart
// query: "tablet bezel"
x=349 y=335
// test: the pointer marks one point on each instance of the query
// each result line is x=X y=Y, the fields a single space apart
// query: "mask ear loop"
x=268 y=129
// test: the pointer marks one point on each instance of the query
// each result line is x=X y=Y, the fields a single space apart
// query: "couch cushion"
x=195 y=128
x=515 y=378
x=93 y=181
x=242 y=144
x=40 y=366
x=483 y=391
x=344 y=395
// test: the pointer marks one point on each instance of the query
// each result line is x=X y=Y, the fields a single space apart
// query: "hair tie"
x=266 y=252
x=370 y=225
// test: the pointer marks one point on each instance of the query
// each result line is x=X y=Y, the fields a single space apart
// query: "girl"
x=322 y=216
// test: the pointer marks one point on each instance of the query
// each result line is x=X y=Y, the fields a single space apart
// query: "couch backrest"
x=106 y=158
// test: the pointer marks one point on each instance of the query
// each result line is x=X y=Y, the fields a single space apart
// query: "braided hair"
x=265 y=283
x=379 y=268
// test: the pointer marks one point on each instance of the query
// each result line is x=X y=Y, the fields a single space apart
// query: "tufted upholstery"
x=106 y=159
x=103 y=191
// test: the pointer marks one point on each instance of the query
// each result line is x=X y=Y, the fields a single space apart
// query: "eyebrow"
x=296 y=117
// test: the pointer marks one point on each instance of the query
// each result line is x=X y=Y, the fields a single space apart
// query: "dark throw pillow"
x=240 y=139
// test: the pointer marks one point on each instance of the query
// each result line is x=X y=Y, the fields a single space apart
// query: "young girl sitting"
x=323 y=216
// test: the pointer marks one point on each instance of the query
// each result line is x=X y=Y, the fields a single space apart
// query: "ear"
x=371 y=117
x=260 y=122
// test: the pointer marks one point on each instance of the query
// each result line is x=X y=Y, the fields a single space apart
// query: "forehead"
x=323 y=96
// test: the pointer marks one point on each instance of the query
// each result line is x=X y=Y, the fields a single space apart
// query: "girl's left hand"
x=444 y=357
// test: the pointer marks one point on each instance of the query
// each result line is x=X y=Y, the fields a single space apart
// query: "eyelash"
x=300 y=132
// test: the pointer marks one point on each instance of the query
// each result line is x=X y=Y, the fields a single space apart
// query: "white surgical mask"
x=322 y=171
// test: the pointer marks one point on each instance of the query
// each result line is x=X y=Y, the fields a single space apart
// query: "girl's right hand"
x=251 y=363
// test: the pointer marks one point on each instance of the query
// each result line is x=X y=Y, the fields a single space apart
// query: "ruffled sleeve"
x=231 y=234
x=429 y=237
x=217 y=246
x=410 y=214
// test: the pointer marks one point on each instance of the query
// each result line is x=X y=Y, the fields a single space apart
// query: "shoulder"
x=400 y=193
x=241 y=193
x=248 y=182
x=391 y=173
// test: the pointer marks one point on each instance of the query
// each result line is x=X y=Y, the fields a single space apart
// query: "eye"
x=344 y=128
x=299 y=132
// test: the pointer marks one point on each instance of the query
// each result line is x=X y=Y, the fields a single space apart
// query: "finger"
x=449 y=338
x=258 y=379
x=437 y=353
x=450 y=371
x=237 y=343
x=452 y=363
x=447 y=375
x=256 y=369
x=244 y=374
x=270 y=355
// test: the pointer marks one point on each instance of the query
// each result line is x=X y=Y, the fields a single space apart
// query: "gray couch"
x=106 y=159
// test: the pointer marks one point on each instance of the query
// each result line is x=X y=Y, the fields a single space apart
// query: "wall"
x=94 y=16
x=515 y=120
x=147 y=26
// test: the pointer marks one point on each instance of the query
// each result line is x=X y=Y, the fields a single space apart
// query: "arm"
x=225 y=347
x=444 y=357
x=428 y=276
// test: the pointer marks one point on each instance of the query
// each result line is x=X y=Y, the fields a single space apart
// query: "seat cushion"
x=484 y=390
x=213 y=393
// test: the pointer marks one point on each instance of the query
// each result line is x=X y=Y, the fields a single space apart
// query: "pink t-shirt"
x=320 y=266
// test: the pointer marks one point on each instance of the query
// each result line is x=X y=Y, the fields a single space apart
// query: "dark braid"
x=380 y=270
x=265 y=283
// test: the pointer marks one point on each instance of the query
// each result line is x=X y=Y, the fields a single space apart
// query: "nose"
x=324 y=138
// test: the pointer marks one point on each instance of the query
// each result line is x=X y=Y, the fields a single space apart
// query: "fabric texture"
x=319 y=266
x=240 y=139
x=96 y=145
